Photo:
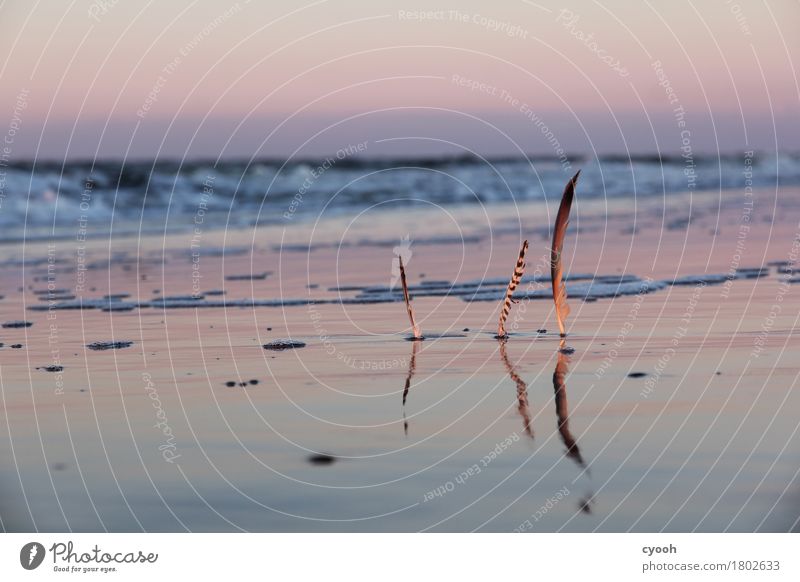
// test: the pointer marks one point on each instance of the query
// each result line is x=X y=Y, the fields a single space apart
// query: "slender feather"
x=556 y=265
x=414 y=326
x=519 y=270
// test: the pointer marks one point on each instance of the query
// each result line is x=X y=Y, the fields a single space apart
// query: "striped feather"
x=556 y=266
x=519 y=270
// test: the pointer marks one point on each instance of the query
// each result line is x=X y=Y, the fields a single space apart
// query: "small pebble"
x=284 y=344
x=52 y=368
x=541 y=331
x=230 y=383
x=637 y=375
x=17 y=324
x=101 y=346
x=321 y=459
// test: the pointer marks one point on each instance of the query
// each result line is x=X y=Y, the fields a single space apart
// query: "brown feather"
x=556 y=265
x=519 y=270
x=414 y=326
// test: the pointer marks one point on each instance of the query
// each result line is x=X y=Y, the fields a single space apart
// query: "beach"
x=675 y=412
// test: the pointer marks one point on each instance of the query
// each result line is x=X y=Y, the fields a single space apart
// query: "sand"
x=677 y=410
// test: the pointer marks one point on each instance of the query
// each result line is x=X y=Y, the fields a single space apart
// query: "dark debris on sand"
x=17 y=324
x=637 y=374
x=284 y=344
x=232 y=383
x=101 y=346
x=322 y=459
x=52 y=368
x=248 y=276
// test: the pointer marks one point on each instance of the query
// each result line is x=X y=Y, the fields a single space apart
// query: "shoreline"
x=662 y=419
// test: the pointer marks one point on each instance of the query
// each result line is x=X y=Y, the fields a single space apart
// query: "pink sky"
x=242 y=79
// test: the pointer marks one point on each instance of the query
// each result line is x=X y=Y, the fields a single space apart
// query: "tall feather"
x=556 y=265
x=414 y=326
x=519 y=270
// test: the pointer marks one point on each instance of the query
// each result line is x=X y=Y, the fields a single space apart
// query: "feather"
x=556 y=266
x=414 y=326
x=519 y=270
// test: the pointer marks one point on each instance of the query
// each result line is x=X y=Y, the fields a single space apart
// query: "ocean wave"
x=169 y=196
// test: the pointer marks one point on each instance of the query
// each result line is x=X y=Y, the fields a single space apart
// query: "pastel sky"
x=280 y=78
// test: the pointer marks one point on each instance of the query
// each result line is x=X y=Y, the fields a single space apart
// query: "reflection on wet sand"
x=522 y=391
x=412 y=366
x=562 y=413
x=562 y=408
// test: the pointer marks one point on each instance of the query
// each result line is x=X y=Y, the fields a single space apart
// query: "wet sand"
x=361 y=430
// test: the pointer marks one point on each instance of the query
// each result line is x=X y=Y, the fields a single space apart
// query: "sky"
x=201 y=79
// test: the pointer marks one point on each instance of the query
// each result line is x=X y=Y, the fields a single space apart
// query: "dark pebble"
x=100 y=346
x=567 y=350
x=284 y=344
x=17 y=324
x=230 y=383
x=16 y=346
x=254 y=382
x=52 y=368
x=637 y=374
x=465 y=329
x=321 y=459
x=541 y=331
